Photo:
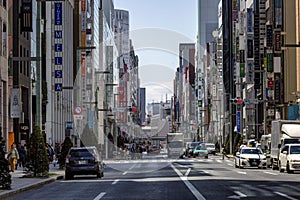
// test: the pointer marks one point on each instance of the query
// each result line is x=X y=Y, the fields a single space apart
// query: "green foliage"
x=66 y=145
x=37 y=155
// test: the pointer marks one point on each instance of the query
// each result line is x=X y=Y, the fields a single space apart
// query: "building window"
x=4 y=41
x=4 y=4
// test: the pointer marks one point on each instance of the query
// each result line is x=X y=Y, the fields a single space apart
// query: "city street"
x=189 y=178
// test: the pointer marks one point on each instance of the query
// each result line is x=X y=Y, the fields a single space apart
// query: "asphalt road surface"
x=193 y=178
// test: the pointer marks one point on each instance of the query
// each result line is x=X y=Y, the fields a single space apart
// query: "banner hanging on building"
x=15 y=103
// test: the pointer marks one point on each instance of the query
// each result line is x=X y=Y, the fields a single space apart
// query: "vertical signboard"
x=249 y=20
x=58 y=47
x=238 y=121
x=277 y=41
x=277 y=87
x=26 y=16
x=15 y=103
x=269 y=32
x=269 y=62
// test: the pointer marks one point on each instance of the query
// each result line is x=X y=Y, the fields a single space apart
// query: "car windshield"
x=201 y=147
x=251 y=151
x=295 y=150
x=175 y=144
x=81 y=153
x=194 y=144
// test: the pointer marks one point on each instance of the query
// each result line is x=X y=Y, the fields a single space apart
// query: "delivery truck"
x=175 y=145
x=283 y=132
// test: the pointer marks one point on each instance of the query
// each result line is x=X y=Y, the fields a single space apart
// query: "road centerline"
x=115 y=182
x=100 y=196
x=285 y=195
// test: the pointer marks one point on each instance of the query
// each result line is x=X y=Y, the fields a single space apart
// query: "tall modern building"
x=121 y=35
x=20 y=92
x=4 y=55
x=185 y=91
x=59 y=69
x=207 y=23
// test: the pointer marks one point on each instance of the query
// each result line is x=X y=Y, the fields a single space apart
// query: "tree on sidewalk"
x=4 y=166
x=37 y=156
x=66 y=145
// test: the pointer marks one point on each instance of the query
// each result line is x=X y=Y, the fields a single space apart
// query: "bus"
x=175 y=145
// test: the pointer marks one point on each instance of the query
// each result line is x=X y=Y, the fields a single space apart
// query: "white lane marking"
x=240 y=194
x=195 y=192
x=100 y=196
x=219 y=161
x=242 y=172
x=115 y=182
x=272 y=173
x=285 y=195
x=132 y=166
x=187 y=172
x=124 y=173
x=230 y=165
x=206 y=172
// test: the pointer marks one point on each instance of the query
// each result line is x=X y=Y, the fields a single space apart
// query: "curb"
x=8 y=193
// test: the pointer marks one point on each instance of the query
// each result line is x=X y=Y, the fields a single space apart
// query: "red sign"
x=270 y=84
x=83 y=5
x=277 y=41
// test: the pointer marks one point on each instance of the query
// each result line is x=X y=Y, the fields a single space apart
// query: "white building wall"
x=60 y=103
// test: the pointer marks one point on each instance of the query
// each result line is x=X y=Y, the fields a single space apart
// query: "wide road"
x=193 y=178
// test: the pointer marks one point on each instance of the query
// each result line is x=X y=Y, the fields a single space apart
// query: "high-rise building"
x=4 y=55
x=59 y=69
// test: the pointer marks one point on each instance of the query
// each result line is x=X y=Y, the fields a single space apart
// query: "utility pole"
x=16 y=126
x=38 y=67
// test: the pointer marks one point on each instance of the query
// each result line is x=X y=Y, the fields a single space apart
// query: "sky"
x=156 y=29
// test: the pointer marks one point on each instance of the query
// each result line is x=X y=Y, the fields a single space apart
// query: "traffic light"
x=132 y=109
x=237 y=100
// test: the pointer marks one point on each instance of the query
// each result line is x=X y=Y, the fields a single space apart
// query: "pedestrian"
x=22 y=155
x=13 y=156
x=224 y=152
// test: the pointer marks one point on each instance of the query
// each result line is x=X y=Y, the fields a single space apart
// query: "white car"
x=250 y=157
x=289 y=158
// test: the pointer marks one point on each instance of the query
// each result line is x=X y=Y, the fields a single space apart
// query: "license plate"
x=82 y=162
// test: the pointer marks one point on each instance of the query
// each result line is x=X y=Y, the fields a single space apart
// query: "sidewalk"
x=20 y=183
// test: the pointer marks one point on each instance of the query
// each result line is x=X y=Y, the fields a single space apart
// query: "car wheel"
x=68 y=176
x=99 y=175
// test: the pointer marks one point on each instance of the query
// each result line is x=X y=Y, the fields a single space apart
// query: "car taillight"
x=67 y=159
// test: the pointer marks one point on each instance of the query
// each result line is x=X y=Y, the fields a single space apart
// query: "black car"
x=83 y=161
x=189 y=149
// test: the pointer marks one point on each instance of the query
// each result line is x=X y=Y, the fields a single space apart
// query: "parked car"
x=153 y=149
x=200 y=151
x=289 y=158
x=250 y=157
x=189 y=148
x=83 y=161
x=211 y=148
